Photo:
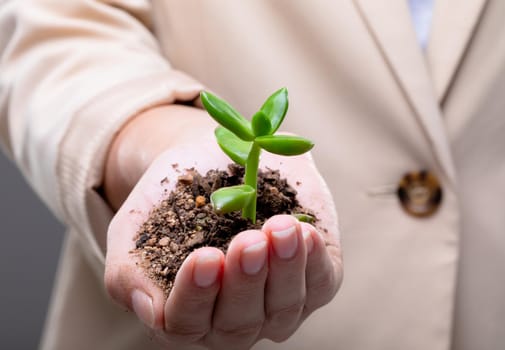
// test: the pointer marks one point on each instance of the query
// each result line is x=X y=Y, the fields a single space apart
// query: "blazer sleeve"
x=71 y=74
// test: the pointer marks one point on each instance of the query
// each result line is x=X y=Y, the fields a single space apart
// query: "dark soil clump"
x=186 y=220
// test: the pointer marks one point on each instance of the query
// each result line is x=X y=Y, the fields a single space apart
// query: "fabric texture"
x=73 y=73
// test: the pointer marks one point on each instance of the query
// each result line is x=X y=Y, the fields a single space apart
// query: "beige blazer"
x=73 y=72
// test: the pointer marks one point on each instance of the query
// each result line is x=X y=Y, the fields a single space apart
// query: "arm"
x=82 y=84
x=71 y=74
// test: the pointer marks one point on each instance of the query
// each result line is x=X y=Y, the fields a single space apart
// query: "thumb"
x=125 y=280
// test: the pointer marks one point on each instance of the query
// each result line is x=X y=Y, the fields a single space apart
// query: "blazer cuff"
x=83 y=150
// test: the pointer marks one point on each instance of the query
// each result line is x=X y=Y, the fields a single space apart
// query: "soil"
x=186 y=220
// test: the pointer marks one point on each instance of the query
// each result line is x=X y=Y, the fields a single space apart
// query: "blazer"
x=72 y=73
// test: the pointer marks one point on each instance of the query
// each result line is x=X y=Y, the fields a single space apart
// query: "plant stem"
x=251 y=179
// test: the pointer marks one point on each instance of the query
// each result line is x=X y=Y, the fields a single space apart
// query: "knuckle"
x=238 y=330
x=115 y=280
x=287 y=312
x=185 y=332
x=246 y=293
x=200 y=300
x=323 y=283
x=322 y=290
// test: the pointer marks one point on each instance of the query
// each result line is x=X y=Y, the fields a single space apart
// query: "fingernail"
x=285 y=242
x=307 y=236
x=206 y=269
x=253 y=258
x=143 y=307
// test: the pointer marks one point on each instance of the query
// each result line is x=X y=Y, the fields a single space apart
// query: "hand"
x=269 y=281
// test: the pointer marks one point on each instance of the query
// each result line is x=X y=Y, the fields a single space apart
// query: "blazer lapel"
x=391 y=25
x=454 y=22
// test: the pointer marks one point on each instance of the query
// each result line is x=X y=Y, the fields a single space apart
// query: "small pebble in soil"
x=200 y=201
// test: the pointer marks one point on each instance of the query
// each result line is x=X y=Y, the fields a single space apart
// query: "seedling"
x=242 y=140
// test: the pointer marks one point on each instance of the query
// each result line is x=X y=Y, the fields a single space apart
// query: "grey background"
x=30 y=245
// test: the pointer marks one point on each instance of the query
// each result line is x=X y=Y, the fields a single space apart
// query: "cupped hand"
x=270 y=279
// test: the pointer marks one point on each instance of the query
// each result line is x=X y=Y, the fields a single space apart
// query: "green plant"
x=242 y=140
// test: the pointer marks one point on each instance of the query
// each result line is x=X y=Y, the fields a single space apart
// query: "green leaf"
x=228 y=199
x=285 y=145
x=227 y=116
x=275 y=108
x=237 y=149
x=304 y=218
x=260 y=124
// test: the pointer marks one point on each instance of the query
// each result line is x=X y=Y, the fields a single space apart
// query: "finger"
x=189 y=308
x=285 y=292
x=324 y=270
x=239 y=313
x=126 y=282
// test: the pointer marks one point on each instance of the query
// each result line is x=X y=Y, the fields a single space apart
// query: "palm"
x=203 y=154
